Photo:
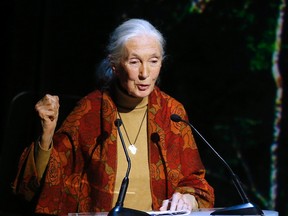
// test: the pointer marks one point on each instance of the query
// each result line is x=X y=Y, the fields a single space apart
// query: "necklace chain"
x=132 y=144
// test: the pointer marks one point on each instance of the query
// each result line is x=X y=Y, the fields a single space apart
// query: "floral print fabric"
x=82 y=168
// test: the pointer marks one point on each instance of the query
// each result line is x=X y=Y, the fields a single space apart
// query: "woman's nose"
x=144 y=71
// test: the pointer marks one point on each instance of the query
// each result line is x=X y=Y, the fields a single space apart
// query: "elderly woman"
x=80 y=167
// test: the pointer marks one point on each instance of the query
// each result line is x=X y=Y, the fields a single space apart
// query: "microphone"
x=118 y=209
x=247 y=208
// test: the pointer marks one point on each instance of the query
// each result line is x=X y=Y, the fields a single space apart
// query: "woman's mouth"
x=142 y=87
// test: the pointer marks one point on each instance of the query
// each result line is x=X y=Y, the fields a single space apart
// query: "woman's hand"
x=180 y=202
x=48 y=111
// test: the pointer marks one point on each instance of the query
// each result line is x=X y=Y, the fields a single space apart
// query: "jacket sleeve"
x=193 y=170
x=196 y=185
x=182 y=165
x=26 y=182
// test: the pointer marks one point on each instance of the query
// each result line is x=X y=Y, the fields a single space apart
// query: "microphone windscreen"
x=155 y=137
x=118 y=122
x=175 y=118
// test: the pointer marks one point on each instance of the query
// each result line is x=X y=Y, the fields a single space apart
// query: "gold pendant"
x=132 y=149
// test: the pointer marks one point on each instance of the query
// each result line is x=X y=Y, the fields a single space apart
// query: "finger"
x=51 y=100
x=164 y=206
x=48 y=115
x=174 y=201
x=48 y=107
x=191 y=201
x=180 y=204
x=54 y=101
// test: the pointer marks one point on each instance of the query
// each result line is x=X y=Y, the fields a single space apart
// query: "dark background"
x=218 y=65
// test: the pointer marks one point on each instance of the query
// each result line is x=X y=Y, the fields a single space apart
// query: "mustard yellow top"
x=133 y=112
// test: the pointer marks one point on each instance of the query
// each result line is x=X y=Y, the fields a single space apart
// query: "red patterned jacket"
x=81 y=172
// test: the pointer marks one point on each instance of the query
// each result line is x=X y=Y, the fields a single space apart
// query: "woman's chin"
x=143 y=94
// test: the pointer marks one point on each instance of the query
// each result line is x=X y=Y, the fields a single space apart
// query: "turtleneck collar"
x=123 y=100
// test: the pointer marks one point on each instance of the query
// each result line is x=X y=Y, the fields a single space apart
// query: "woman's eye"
x=133 y=62
x=154 y=61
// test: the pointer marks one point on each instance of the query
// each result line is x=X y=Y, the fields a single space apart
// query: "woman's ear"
x=115 y=71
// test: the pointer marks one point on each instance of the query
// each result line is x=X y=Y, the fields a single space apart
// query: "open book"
x=164 y=213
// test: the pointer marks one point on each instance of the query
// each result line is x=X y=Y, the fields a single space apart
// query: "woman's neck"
x=126 y=101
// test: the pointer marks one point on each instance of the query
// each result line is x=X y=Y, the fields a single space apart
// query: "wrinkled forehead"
x=142 y=45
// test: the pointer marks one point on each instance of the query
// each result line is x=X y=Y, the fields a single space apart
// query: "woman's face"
x=140 y=67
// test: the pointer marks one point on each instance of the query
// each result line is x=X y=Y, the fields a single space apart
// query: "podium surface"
x=200 y=212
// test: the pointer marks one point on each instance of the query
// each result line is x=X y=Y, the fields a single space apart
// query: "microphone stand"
x=247 y=208
x=118 y=209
